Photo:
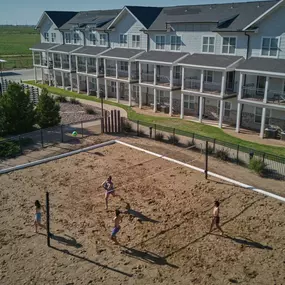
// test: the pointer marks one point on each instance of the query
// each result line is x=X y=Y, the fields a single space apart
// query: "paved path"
x=21 y=74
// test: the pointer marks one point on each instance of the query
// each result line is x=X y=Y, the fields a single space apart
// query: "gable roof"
x=98 y=19
x=226 y=17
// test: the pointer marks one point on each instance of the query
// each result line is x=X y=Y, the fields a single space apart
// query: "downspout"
x=108 y=37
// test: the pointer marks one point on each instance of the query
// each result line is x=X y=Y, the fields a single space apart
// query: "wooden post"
x=119 y=121
x=112 y=122
x=109 y=124
x=47 y=219
x=206 y=161
x=263 y=157
x=214 y=145
x=193 y=138
x=105 y=121
x=115 y=121
x=102 y=125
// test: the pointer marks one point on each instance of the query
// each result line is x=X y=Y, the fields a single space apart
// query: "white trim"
x=181 y=58
x=203 y=67
x=44 y=14
x=202 y=40
x=44 y=50
x=258 y=72
x=261 y=104
x=155 y=62
x=278 y=47
x=263 y=15
x=248 y=187
x=235 y=46
x=159 y=35
x=234 y=63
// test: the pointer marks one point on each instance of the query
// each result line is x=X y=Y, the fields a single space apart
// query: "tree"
x=17 y=112
x=47 y=110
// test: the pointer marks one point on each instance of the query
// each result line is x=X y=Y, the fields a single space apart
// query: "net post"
x=206 y=160
x=47 y=219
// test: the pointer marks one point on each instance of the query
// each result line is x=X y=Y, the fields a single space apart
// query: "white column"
x=61 y=60
x=154 y=100
x=140 y=73
x=266 y=90
x=53 y=60
x=105 y=67
x=86 y=64
x=35 y=74
x=238 y=117
x=78 y=83
x=98 y=87
x=49 y=77
x=182 y=106
x=87 y=85
x=129 y=71
x=76 y=63
x=221 y=113
x=97 y=66
x=117 y=71
x=70 y=67
x=240 y=86
x=262 y=127
x=202 y=81
x=62 y=79
x=155 y=74
x=223 y=85
x=118 y=92
x=140 y=97
x=42 y=71
x=171 y=77
x=54 y=79
x=183 y=80
x=130 y=95
x=106 y=89
x=71 y=85
x=33 y=58
x=201 y=109
x=170 y=102
x=40 y=58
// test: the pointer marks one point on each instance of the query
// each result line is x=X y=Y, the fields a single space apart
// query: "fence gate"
x=111 y=122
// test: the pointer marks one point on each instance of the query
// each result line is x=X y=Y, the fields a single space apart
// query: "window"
x=208 y=76
x=258 y=115
x=46 y=36
x=177 y=72
x=208 y=44
x=269 y=46
x=229 y=45
x=67 y=38
x=160 y=42
x=136 y=41
x=113 y=86
x=189 y=102
x=227 y=108
x=136 y=91
x=103 y=39
x=124 y=65
x=123 y=40
x=53 y=37
x=76 y=38
x=92 y=39
x=175 y=42
x=92 y=61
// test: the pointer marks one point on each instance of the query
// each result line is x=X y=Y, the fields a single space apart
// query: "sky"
x=22 y=12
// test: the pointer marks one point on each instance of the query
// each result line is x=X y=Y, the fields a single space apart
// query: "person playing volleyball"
x=109 y=187
x=117 y=227
x=216 y=218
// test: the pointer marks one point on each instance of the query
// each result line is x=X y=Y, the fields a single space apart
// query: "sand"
x=172 y=247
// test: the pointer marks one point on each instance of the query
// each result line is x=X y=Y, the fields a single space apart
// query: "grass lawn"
x=15 y=42
x=193 y=127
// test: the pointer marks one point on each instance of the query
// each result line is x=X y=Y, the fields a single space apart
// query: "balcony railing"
x=193 y=84
x=65 y=65
x=252 y=93
x=111 y=71
x=147 y=77
x=134 y=75
x=162 y=79
x=177 y=81
x=123 y=73
x=212 y=87
x=276 y=97
x=101 y=69
x=91 y=69
x=82 y=68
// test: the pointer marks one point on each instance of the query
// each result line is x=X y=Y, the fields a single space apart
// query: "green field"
x=15 y=42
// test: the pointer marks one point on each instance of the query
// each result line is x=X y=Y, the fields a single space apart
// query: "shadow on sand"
x=136 y=214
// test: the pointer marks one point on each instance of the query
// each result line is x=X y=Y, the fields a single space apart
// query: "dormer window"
x=76 y=38
x=92 y=39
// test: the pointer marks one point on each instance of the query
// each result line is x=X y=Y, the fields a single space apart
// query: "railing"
x=192 y=84
x=57 y=64
x=123 y=73
x=134 y=75
x=276 y=97
x=101 y=69
x=81 y=67
x=214 y=87
x=47 y=63
x=91 y=69
x=111 y=71
x=65 y=65
x=253 y=93
x=147 y=77
x=162 y=79
x=177 y=81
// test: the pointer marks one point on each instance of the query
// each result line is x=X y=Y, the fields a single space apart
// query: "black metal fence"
x=274 y=166
x=18 y=145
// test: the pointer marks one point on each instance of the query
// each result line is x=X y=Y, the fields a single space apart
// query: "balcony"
x=192 y=84
x=163 y=80
x=111 y=71
x=91 y=69
x=65 y=65
x=147 y=78
x=123 y=74
x=81 y=67
x=212 y=87
x=57 y=64
x=134 y=75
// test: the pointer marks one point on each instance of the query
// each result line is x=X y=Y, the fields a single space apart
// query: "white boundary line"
x=38 y=162
x=209 y=172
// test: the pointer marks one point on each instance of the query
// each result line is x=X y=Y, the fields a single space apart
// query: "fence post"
x=20 y=145
x=150 y=132
x=173 y=137
x=193 y=138
x=102 y=125
x=214 y=145
x=61 y=133
x=82 y=129
x=138 y=127
x=238 y=154
x=206 y=160
x=154 y=130
x=48 y=219
x=42 y=138
x=263 y=157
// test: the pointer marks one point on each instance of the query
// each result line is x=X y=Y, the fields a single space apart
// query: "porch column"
x=263 y=118
x=105 y=67
x=202 y=81
x=54 y=79
x=118 y=92
x=266 y=90
x=97 y=66
x=76 y=63
x=154 y=100
x=140 y=73
x=49 y=77
x=182 y=106
x=86 y=64
x=171 y=77
x=33 y=58
x=140 y=97
x=35 y=74
x=130 y=95
x=129 y=71
x=154 y=74
x=40 y=59
x=106 y=89
x=183 y=82
x=42 y=71
x=170 y=102
x=71 y=85
x=61 y=61
x=78 y=83
x=223 y=86
x=240 y=86
x=221 y=113
x=117 y=71
x=201 y=109
x=69 y=62
x=62 y=80
x=98 y=87
x=87 y=85
x=53 y=60
x=238 y=117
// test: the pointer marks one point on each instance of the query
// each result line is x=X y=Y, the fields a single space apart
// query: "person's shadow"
x=136 y=214
x=66 y=240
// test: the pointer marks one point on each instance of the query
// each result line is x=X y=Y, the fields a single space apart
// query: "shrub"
x=173 y=139
x=9 y=149
x=74 y=101
x=159 y=137
x=61 y=99
x=257 y=165
x=127 y=127
x=90 y=111
x=222 y=154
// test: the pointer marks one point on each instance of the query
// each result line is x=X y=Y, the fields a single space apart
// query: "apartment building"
x=219 y=62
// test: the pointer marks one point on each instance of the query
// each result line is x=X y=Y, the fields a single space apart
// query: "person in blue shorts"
x=117 y=227
x=38 y=216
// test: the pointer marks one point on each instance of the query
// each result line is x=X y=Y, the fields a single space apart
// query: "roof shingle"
x=124 y=53
x=60 y=17
x=161 y=56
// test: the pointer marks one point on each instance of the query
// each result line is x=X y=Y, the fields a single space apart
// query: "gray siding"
x=49 y=27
